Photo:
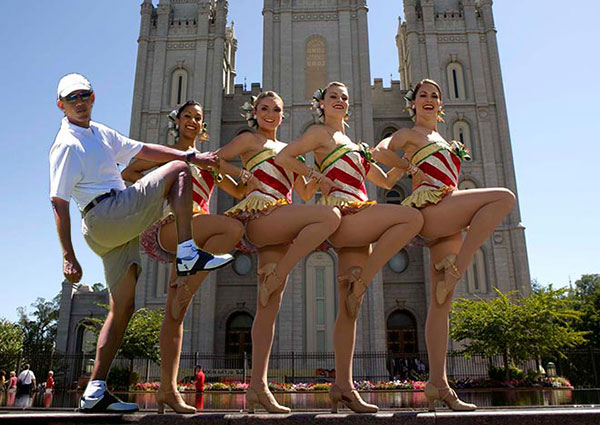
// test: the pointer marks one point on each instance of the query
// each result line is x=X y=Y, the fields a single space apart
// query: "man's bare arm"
x=71 y=268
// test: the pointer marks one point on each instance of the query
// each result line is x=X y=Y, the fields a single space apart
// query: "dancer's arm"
x=71 y=268
x=382 y=179
x=159 y=153
x=134 y=171
x=235 y=189
x=310 y=141
x=240 y=144
x=385 y=151
x=306 y=189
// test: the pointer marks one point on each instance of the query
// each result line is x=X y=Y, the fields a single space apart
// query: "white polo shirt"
x=26 y=376
x=83 y=161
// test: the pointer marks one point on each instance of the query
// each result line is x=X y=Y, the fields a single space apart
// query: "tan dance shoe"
x=351 y=399
x=447 y=396
x=266 y=400
x=451 y=277
x=269 y=283
x=354 y=281
x=173 y=400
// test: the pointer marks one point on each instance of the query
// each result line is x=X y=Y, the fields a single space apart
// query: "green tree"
x=11 y=343
x=550 y=318
x=141 y=337
x=39 y=327
x=587 y=298
x=518 y=329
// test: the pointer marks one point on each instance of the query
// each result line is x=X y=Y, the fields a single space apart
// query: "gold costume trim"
x=423 y=198
x=344 y=204
x=259 y=158
x=254 y=204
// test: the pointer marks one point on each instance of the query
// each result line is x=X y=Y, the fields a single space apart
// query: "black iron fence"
x=581 y=367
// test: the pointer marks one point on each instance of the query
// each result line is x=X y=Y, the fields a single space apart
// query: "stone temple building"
x=187 y=51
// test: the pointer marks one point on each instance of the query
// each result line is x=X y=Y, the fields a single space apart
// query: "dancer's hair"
x=189 y=103
x=333 y=84
x=426 y=81
x=264 y=94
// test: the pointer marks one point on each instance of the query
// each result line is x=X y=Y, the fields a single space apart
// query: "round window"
x=242 y=264
x=399 y=262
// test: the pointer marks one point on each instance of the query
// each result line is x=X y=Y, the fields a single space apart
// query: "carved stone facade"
x=187 y=51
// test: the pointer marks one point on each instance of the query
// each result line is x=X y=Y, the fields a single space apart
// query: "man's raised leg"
x=179 y=191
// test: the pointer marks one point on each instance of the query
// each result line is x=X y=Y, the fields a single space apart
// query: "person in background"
x=50 y=382
x=200 y=377
x=26 y=380
x=12 y=388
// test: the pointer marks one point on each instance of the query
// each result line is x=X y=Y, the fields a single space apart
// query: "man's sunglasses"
x=73 y=97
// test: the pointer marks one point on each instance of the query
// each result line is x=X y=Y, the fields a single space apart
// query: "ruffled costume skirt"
x=254 y=206
x=422 y=198
x=346 y=206
x=150 y=243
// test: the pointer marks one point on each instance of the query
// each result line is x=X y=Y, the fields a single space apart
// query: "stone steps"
x=575 y=415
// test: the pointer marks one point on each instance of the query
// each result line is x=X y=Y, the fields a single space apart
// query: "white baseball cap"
x=72 y=82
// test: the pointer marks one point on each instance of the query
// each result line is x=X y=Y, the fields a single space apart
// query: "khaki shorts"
x=112 y=228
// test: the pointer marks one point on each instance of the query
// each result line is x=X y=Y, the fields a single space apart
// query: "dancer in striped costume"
x=447 y=212
x=283 y=232
x=364 y=222
x=348 y=166
x=273 y=187
x=159 y=241
x=440 y=162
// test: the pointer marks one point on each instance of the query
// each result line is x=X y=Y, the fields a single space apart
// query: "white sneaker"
x=106 y=403
x=201 y=261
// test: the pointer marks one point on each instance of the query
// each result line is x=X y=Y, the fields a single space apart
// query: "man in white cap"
x=83 y=165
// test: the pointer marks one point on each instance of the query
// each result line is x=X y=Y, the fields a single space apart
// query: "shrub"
x=119 y=378
x=498 y=373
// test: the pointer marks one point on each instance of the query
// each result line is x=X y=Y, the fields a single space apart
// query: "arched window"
x=476 y=275
x=399 y=262
x=467 y=184
x=401 y=332
x=237 y=338
x=316 y=64
x=462 y=133
x=456 y=81
x=395 y=195
x=86 y=339
x=320 y=302
x=179 y=87
x=388 y=131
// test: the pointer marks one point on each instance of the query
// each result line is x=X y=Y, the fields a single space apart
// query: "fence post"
x=147 y=370
x=293 y=367
x=19 y=358
x=594 y=366
x=245 y=367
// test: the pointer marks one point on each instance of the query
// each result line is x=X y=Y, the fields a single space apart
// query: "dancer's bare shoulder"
x=405 y=139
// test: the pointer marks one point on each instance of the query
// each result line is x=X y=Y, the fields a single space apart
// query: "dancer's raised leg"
x=481 y=210
x=305 y=225
x=391 y=226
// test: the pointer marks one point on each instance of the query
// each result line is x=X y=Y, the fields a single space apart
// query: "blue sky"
x=550 y=67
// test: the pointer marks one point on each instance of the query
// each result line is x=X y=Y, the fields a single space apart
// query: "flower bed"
x=546 y=382
x=396 y=385
x=236 y=386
